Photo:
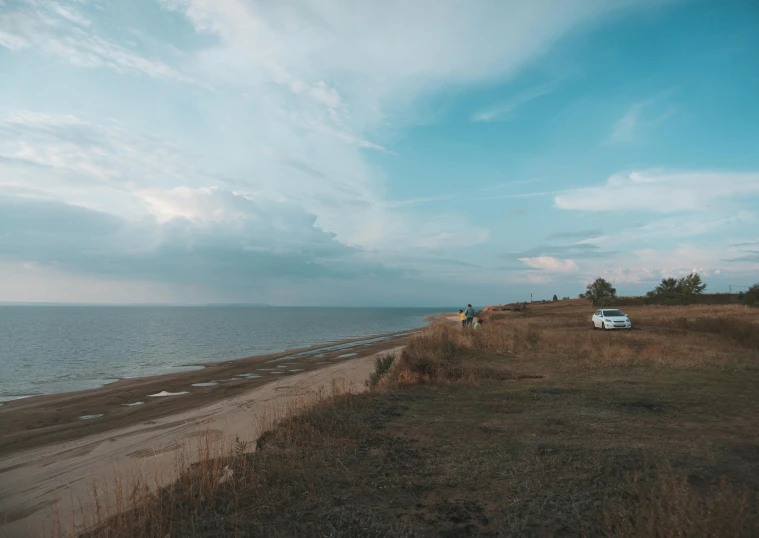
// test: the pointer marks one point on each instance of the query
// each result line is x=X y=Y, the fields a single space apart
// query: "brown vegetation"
x=533 y=425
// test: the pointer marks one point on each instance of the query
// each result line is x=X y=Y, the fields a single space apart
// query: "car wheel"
x=603 y=326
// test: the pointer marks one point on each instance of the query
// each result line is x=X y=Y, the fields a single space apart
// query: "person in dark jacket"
x=469 y=313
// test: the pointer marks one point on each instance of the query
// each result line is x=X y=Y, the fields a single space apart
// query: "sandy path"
x=44 y=484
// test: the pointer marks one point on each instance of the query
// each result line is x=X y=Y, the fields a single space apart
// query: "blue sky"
x=374 y=153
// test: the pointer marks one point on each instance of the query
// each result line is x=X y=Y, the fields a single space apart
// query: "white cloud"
x=70 y=14
x=326 y=95
x=625 y=128
x=113 y=170
x=638 y=116
x=202 y=204
x=661 y=191
x=58 y=31
x=519 y=195
x=503 y=110
x=79 y=162
x=385 y=54
x=551 y=264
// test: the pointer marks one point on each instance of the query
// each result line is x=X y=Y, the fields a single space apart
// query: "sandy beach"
x=54 y=448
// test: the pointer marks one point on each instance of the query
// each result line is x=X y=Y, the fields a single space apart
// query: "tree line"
x=684 y=290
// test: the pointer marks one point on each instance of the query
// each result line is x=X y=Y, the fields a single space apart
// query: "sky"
x=364 y=153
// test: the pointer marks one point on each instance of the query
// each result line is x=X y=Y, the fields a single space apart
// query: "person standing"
x=469 y=314
x=462 y=317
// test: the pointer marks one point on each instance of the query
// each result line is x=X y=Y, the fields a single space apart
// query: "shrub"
x=751 y=297
x=381 y=368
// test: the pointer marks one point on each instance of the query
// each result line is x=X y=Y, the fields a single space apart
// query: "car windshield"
x=612 y=313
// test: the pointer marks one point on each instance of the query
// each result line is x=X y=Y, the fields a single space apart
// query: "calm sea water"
x=48 y=349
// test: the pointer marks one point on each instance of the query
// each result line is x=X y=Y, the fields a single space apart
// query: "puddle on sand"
x=278 y=372
x=164 y=393
x=249 y=376
x=266 y=369
x=336 y=347
x=296 y=370
x=89 y=417
x=132 y=404
x=206 y=384
x=345 y=355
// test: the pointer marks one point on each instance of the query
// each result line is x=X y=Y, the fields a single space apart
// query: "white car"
x=611 y=319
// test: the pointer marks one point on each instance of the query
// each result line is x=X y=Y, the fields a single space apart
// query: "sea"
x=53 y=349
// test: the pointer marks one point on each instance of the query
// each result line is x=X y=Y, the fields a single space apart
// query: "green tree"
x=555 y=298
x=601 y=292
x=751 y=297
x=691 y=285
x=667 y=286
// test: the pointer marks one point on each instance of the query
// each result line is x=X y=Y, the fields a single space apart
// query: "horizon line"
x=254 y=305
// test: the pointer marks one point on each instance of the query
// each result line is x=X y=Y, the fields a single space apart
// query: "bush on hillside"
x=381 y=368
x=751 y=297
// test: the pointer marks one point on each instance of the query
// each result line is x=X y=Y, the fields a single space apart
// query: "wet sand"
x=52 y=419
x=51 y=488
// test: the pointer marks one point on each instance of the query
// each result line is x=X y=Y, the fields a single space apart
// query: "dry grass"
x=221 y=475
x=705 y=335
x=440 y=355
x=533 y=425
x=666 y=505
x=736 y=324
